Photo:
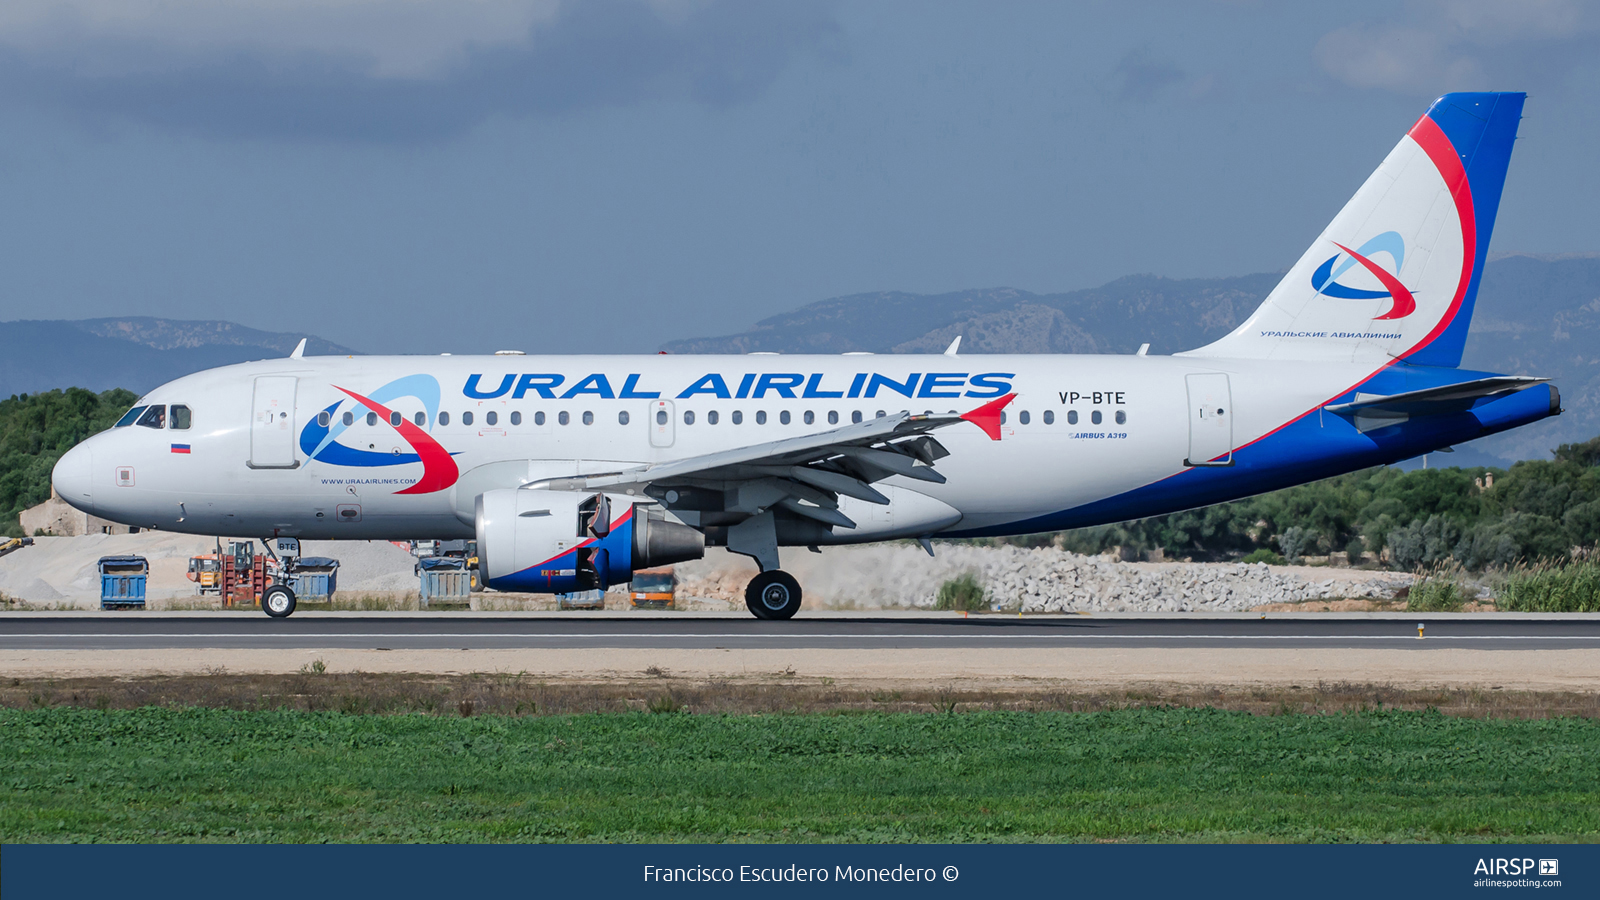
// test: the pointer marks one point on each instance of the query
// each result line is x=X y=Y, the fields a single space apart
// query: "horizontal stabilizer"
x=1373 y=411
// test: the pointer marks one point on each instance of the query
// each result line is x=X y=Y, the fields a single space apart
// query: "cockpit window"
x=154 y=417
x=180 y=417
x=129 y=417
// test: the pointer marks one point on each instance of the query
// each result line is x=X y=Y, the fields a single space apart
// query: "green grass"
x=193 y=774
x=1551 y=587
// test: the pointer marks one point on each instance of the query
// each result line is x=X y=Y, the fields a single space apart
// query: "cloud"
x=1436 y=46
x=392 y=69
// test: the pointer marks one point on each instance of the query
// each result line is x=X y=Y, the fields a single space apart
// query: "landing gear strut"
x=774 y=594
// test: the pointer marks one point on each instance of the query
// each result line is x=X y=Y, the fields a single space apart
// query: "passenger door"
x=1210 y=420
x=272 y=423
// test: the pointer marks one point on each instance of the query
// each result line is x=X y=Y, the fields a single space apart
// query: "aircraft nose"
x=73 y=477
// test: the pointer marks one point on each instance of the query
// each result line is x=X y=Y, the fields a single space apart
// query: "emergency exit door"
x=1210 y=420
x=662 y=427
x=272 y=423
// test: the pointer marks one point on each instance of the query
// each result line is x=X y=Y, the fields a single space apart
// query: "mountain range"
x=136 y=352
x=1534 y=316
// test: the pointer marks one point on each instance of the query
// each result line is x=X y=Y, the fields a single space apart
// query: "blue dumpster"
x=122 y=580
x=445 y=580
x=315 y=578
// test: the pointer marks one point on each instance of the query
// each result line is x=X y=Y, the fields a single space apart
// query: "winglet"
x=299 y=349
x=987 y=416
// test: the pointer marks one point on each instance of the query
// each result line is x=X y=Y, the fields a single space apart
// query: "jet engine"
x=558 y=542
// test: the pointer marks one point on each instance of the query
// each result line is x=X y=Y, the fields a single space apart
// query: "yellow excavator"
x=9 y=544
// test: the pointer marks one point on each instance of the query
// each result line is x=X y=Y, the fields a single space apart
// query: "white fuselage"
x=1080 y=430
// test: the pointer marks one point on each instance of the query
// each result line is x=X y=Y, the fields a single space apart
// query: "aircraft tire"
x=278 y=601
x=773 y=595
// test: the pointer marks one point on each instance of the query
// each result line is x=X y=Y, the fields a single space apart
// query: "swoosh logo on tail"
x=1404 y=303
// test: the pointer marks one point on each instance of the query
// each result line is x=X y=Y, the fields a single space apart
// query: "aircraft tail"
x=1395 y=274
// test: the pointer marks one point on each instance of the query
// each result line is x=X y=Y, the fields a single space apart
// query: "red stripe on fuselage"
x=438 y=466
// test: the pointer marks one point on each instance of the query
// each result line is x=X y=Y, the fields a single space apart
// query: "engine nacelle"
x=558 y=542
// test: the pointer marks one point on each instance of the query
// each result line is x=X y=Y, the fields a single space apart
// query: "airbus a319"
x=572 y=472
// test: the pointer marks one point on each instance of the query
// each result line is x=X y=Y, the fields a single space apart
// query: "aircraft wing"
x=805 y=474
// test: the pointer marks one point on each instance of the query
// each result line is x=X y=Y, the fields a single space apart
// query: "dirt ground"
x=1010 y=670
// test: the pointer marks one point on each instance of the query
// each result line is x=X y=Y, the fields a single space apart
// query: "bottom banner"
x=1136 y=870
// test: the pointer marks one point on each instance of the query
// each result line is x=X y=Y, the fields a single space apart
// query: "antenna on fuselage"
x=954 y=345
x=299 y=349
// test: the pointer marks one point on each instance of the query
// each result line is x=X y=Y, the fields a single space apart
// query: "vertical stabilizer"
x=1395 y=274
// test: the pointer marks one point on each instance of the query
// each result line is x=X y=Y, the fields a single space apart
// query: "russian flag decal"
x=180 y=448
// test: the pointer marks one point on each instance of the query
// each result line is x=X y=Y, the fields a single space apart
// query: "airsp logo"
x=1549 y=867
x=1502 y=866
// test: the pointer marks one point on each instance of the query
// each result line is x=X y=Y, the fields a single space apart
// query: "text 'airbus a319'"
x=572 y=472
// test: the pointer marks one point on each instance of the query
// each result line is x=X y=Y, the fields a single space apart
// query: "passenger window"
x=1072 y=417
x=394 y=418
x=688 y=417
x=372 y=418
x=323 y=419
x=129 y=417
x=761 y=417
x=1022 y=417
x=881 y=414
x=1122 y=417
x=1095 y=417
x=538 y=418
x=783 y=417
x=420 y=419
x=349 y=419
x=622 y=418
x=491 y=418
x=516 y=418
x=444 y=418
x=1002 y=417
x=712 y=417
x=811 y=417
x=1049 y=417
x=588 y=417
x=856 y=417
x=154 y=417
x=180 y=417
x=564 y=418
x=661 y=417
x=833 y=417
x=466 y=418
x=738 y=417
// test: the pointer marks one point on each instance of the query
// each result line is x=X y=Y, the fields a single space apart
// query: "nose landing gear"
x=774 y=594
x=278 y=601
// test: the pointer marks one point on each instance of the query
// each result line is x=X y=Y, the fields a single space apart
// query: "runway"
x=577 y=631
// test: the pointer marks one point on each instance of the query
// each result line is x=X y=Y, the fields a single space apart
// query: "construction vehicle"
x=245 y=575
x=205 y=571
x=8 y=545
x=653 y=588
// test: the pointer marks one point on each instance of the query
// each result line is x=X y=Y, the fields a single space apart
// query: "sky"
x=425 y=176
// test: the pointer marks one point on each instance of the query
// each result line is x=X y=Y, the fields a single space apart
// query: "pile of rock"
x=1034 y=580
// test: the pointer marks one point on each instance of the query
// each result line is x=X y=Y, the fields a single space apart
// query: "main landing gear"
x=774 y=594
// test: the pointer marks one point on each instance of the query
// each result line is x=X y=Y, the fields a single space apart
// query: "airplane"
x=572 y=472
